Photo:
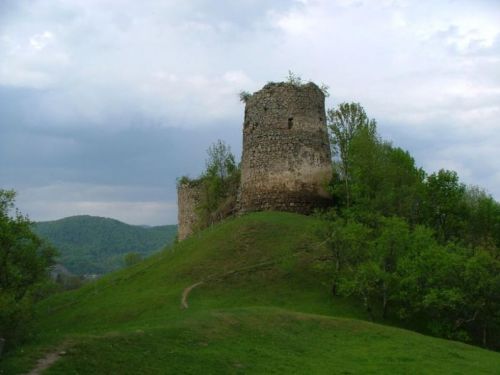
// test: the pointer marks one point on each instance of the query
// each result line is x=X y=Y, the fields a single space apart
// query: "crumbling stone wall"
x=286 y=160
x=188 y=196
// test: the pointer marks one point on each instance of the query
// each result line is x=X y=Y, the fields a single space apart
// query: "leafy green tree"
x=367 y=170
x=294 y=79
x=221 y=161
x=372 y=273
x=390 y=247
x=403 y=185
x=483 y=220
x=364 y=281
x=347 y=240
x=443 y=297
x=444 y=205
x=219 y=185
x=24 y=262
x=384 y=179
x=454 y=289
x=481 y=311
x=344 y=122
x=244 y=96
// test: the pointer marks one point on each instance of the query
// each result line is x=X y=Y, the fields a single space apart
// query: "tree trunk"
x=484 y=336
x=347 y=193
x=2 y=343
x=384 y=301
x=337 y=270
x=368 y=307
x=334 y=288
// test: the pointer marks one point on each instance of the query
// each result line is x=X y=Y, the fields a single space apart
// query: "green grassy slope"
x=264 y=307
x=90 y=244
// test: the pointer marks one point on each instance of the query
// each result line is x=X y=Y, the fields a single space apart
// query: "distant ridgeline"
x=286 y=161
x=97 y=245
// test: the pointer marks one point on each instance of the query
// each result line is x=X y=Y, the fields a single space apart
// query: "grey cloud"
x=96 y=97
x=138 y=205
x=133 y=155
x=109 y=169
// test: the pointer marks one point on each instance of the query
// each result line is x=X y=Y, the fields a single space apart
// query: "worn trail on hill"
x=185 y=294
x=49 y=359
x=186 y=291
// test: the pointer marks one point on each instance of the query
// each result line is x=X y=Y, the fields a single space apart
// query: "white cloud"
x=293 y=23
x=31 y=60
x=40 y=41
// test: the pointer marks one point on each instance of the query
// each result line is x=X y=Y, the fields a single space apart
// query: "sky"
x=104 y=103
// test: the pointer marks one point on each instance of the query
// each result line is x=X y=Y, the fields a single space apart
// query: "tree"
x=383 y=178
x=347 y=240
x=367 y=174
x=364 y=282
x=219 y=185
x=220 y=160
x=390 y=247
x=444 y=205
x=481 y=280
x=24 y=262
x=244 y=96
x=294 y=79
x=455 y=290
x=483 y=220
x=403 y=185
x=373 y=258
x=344 y=122
x=432 y=289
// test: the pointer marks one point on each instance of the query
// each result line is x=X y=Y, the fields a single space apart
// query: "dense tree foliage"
x=345 y=122
x=24 y=262
x=422 y=248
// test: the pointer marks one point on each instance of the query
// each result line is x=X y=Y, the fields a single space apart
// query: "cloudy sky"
x=103 y=103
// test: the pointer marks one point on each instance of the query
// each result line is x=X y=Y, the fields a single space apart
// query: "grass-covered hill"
x=247 y=296
x=90 y=244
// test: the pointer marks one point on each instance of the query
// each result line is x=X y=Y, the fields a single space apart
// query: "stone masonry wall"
x=286 y=158
x=188 y=196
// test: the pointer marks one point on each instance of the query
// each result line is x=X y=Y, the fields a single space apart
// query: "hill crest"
x=96 y=245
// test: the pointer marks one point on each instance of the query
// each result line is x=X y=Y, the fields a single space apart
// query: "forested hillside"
x=89 y=244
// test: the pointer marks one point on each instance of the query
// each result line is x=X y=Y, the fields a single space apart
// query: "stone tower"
x=286 y=160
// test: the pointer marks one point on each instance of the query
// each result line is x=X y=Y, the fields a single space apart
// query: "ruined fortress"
x=286 y=161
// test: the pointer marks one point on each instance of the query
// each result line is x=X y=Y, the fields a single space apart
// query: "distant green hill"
x=90 y=244
x=258 y=301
